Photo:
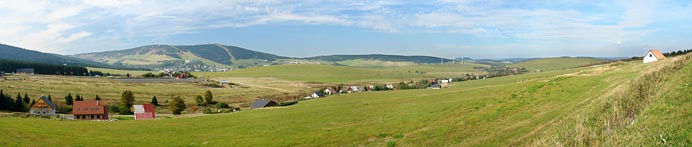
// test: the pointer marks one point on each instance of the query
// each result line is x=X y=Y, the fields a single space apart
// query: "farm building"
x=389 y=86
x=355 y=89
x=435 y=86
x=144 y=111
x=263 y=103
x=89 y=110
x=653 y=56
x=329 y=91
x=224 y=82
x=25 y=71
x=43 y=106
x=316 y=95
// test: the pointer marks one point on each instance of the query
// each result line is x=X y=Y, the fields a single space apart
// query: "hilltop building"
x=144 y=111
x=89 y=110
x=43 y=106
x=653 y=56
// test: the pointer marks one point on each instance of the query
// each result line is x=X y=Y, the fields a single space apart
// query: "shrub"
x=382 y=135
x=114 y=109
x=391 y=144
x=177 y=106
x=208 y=111
x=222 y=105
x=288 y=103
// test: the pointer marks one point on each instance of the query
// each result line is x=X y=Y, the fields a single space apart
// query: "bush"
x=177 y=106
x=208 y=111
x=391 y=144
x=124 y=110
x=114 y=109
x=288 y=103
x=222 y=105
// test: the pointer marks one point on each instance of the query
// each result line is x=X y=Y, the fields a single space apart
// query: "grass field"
x=110 y=90
x=345 y=74
x=121 y=72
x=374 y=63
x=553 y=108
x=548 y=64
x=539 y=109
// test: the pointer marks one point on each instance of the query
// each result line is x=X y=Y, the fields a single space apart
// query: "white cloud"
x=53 y=26
x=76 y=36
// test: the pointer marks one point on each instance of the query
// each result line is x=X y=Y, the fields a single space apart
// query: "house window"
x=651 y=55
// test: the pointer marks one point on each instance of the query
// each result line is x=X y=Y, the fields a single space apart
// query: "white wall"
x=650 y=57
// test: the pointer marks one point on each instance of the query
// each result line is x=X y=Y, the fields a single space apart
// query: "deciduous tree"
x=208 y=97
x=177 y=105
x=127 y=99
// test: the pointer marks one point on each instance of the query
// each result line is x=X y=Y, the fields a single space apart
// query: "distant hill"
x=548 y=64
x=380 y=57
x=20 y=54
x=174 y=55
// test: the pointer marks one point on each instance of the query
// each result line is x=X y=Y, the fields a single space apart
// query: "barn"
x=653 y=56
x=263 y=103
x=43 y=106
x=89 y=110
x=144 y=111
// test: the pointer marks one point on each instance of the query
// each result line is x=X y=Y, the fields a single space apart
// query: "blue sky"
x=448 y=28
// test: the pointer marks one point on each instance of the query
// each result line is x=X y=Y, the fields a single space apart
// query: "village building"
x=43 y=106
x=435 y=86
x=89 y=110
x=329 y=91
x=653 y=56
x=444 y=83
x=224 y=83
x=345 y=90
x=144 y=111
x=263 y=103
x=25 y=71
x=355 y=89
x=389 y=86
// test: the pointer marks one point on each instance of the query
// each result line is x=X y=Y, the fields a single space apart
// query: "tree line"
x=676 y=53
x=9 y=66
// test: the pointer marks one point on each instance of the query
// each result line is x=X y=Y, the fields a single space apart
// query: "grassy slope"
x=110 y=90
x=374 y=63
x=122 y=72
x=548 y=64
x=500 y=111
x=505 y=111
x=339 y=74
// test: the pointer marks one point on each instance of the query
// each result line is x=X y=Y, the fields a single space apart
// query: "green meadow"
x=548 y=64
x=554 y=108
x=345 y=74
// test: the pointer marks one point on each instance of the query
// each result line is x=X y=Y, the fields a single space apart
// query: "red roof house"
x=144 y=111
x=89 y=110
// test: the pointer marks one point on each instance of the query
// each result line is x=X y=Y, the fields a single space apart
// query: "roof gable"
x=657 y=54
x=48 y=101
x=88 y=107
x=261 y=103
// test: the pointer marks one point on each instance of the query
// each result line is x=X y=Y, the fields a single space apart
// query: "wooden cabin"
x=43 y=106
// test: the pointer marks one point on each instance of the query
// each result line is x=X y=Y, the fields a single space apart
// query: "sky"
x=302 y=28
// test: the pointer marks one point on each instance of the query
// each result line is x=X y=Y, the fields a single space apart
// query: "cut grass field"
x=374 y=63
x=523 y=110
x=120 y=72
x=549 y=64
x=110 y=90
x=345 y=74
